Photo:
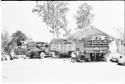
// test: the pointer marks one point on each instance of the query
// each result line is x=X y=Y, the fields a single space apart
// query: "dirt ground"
x=61 y=70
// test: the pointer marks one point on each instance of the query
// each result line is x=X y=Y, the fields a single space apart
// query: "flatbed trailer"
x=63 y=49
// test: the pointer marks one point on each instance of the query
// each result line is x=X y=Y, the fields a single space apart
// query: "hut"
x=92 y=42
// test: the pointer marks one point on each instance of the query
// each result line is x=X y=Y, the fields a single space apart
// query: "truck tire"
x=80 y=59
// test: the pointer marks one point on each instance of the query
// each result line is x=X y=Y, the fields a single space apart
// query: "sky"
x=18 y=15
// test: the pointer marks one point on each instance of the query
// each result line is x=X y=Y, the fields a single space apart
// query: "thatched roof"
x=86 y=32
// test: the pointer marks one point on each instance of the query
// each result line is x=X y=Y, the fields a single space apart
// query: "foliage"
x=53 y=13
x=120 y=32
x=84 y=16
x=17 y=37
x=4 y=41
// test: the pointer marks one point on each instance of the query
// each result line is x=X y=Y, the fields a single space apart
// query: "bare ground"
x=61 y=70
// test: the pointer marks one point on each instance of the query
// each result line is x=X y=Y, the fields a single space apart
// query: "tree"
x=120 y=42
x=5 y=44
x=53 y=13
x=84 y=16
x=8 y=43
x=17 y=37
x=4 y=41
x=121 y=34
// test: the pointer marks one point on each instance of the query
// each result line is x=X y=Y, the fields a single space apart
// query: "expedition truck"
x=94 y=50
x=62 y=48
x=38 y=50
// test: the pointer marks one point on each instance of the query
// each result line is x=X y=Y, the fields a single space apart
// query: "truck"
x=38 y=50
x=90 y=50
x=19 y=52
x=62 y=48
x=32 y=50
x=94 y=50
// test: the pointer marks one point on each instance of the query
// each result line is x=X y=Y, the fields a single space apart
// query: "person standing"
x=74 y=55
x=12 y=54
x=42 y=55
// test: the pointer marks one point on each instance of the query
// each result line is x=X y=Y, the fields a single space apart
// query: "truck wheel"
x=42 y=55
x=81 y=60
